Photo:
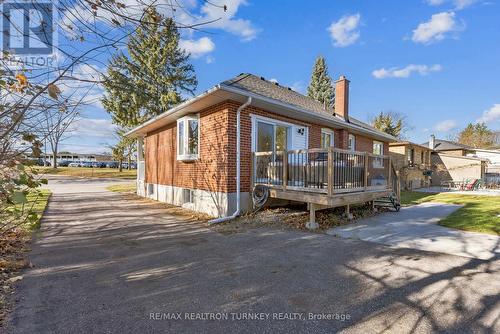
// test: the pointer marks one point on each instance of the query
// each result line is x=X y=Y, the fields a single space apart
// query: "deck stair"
x=390 y=201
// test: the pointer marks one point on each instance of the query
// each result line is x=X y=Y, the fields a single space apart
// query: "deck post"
x=330 y=171
x=348 y=213
x=390 y=172
x=311 y=224
x=285 y=169
x=366 y=171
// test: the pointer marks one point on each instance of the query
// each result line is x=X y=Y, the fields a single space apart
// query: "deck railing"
x=329 y=170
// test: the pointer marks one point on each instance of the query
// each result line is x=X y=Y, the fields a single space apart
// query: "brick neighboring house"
x=413 y=162
x=454 y=162
x=188 y=155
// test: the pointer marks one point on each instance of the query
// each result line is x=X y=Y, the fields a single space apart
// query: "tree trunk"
x=129 y=161
x=54 y=159
x=120 y=165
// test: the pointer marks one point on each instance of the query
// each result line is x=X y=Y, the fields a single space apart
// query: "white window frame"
x=328 y=132
x=184 y=156
x=378 y=162
x=272 y=121
x=353 y=137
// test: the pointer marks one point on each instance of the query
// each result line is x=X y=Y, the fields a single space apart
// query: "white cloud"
x=345 y=31
x=209 y=59
x=405 y=72
x=185 y=12
x=83 y=84
x=226 y=20
x=459 y=4
x=436 y=28
x=95 y=127
x=197 y=48
x=490 y=115
x=445 y=126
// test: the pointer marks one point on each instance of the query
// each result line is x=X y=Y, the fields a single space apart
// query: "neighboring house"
x=413 y=162
x=493 y=161
x=454 y=162
x=190 y=155
x=449 y=147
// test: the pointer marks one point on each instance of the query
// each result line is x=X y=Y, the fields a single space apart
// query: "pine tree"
x=320 y=87
x=391 y=123
x=477 y=136
x=151 y=77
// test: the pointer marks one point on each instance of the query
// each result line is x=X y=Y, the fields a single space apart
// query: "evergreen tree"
x=391 y=123
x=152 y=76
x=477 y=136
x=321 y=87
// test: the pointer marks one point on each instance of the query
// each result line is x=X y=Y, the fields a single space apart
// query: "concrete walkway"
x=416 y=227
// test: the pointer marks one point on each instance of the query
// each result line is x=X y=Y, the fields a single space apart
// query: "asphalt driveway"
x=103 y=264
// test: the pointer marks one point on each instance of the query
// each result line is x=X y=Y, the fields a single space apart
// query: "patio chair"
x=470 y=185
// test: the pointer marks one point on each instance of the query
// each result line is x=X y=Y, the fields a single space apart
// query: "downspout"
x=238 y=166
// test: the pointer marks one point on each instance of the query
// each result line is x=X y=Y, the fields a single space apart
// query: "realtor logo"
x=28 y=27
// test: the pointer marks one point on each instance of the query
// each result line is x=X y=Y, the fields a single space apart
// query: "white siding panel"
x=299 y=141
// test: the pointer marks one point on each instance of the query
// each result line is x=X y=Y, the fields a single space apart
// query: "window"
x=326 y=138
x=378 y=149
x=351 y=143
x=188 y=196
x=272 y=137
x=410 y=156
x=188 y=133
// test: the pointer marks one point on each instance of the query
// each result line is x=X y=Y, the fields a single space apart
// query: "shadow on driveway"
x=105 y=264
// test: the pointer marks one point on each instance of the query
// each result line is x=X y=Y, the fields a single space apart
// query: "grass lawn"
x=123 y=188
x=39 y=202
x=89 y=172
x=478 y=214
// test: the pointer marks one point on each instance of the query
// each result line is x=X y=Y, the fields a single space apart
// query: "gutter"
x=238 y=166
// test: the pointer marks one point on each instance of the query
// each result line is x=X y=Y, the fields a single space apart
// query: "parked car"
x=112 y=164
x=125 y=165
x=98 y=164
x=74 y=164
x=133 y=165
x=86 y=164
x=63 y=163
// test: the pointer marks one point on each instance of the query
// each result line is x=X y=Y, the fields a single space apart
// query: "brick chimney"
x=342 y=97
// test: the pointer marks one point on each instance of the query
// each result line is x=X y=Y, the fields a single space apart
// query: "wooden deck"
x=325 y=178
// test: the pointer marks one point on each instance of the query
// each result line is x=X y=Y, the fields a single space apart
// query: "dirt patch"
x=13 y=258
x=293 y=217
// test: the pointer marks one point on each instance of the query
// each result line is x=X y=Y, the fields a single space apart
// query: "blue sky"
x=435 y=61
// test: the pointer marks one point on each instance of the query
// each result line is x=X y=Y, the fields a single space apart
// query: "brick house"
x=456 y=162
x=413 y=162
x=188 y=156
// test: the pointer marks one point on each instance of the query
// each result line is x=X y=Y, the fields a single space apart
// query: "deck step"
x=387 y=202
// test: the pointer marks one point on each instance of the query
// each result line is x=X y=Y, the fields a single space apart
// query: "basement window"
x=188 y=136
x=187 y=196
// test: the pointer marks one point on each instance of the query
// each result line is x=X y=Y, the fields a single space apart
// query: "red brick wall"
x=209 y=172
x=215 y=170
